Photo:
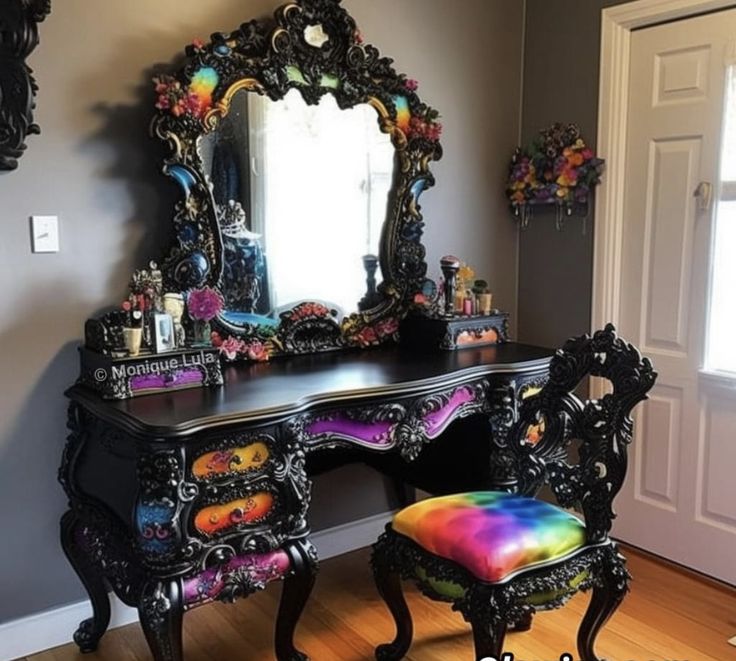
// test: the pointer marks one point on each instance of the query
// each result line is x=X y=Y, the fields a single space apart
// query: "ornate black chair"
x=500 y=556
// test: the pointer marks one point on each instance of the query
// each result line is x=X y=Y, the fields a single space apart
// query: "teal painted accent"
x=401 y=103
x=207 y=77
x=418 y=188
x=183 y=177
x=245 y=318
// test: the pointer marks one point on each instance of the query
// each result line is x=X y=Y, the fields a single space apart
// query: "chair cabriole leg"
x=606 y=598
x=388 y=582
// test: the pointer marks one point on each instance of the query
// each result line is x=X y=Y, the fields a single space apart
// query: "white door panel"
x=681 y=502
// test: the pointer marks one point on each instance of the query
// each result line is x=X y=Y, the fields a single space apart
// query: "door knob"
x=704 y=193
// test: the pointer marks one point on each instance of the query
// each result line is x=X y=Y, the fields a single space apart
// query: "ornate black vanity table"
x=184 y=497
x=287 y=137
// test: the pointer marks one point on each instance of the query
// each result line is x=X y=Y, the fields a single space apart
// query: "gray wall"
x=95 y=167
x=561 y=61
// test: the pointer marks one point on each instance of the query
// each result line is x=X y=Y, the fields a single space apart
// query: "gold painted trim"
x=388 y=125
x=222 y=108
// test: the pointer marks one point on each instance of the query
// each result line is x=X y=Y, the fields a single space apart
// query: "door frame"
x=617 y=24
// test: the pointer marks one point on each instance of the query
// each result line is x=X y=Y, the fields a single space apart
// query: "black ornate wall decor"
x=18 y=38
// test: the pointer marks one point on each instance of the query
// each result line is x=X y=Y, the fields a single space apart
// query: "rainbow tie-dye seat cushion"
x=493 y=535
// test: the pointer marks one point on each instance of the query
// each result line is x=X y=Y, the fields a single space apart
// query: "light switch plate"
x=45 y=233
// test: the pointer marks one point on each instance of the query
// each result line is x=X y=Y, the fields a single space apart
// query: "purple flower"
x=204 y=304
x=411 y=84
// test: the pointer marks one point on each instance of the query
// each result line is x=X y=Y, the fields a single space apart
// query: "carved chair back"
x=579 y=448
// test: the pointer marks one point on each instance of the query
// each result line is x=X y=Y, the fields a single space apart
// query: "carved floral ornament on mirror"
x=314 y=50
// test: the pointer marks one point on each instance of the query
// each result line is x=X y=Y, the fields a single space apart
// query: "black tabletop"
x=261 y=392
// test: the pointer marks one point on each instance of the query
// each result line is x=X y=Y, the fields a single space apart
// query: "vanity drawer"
x=248 y=488
x=235 y=511
x=233 y=459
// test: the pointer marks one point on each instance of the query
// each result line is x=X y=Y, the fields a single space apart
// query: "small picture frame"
x=164 y=338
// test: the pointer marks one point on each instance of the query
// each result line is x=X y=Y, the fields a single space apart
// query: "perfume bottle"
x=450 y=266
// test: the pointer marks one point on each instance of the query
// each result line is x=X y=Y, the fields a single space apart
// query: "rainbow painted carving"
x=226 y=462
x=154 y=521
x=255 y=570
x=437 y=421
x=178 y=379
x=481 y=532
x=194 y=100
x=381 y=433
x=218 y=518
x=377 y=434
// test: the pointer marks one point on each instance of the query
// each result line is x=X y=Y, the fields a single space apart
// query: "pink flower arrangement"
x=411 y=85
x=193 y=100
x=427 y=129
x=387 y=327
x=306 y=310
x=258 y=352
x=178 y=101
x=372 y=335
x=367 y=337
x=231 y=348
x=204 y=304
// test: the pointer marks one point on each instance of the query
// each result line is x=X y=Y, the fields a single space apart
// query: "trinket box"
x=456 y=332
x=145 y=374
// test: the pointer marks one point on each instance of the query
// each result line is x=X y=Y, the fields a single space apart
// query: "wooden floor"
x=668 y=615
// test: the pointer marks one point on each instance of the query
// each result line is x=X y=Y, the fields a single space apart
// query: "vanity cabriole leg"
x=161 y=612
x=297 y=588
x=88 y=635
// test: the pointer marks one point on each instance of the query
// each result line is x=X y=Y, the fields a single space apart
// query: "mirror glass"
x=302 y=194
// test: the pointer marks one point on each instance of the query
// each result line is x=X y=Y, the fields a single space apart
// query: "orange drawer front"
x=236 y=460
x=217 y=518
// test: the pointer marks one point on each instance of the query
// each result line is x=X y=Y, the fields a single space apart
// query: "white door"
x=679 y=292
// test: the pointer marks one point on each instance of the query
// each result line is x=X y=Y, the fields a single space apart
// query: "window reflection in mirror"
x=302 y=195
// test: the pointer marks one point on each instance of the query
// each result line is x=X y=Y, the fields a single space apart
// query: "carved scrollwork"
x=159 y=473
x=476 y=330
x=429 y=417
x=105 y=544
x=602 y=427
x=75 y=440
x=407 y=426
x=18 y=38
x=159 y=506
x=225 y=464
x=508 y=602
x=309 y=328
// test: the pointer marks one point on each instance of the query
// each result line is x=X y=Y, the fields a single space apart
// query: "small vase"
x=202 y=332
x=132 y=338
x=484 y=303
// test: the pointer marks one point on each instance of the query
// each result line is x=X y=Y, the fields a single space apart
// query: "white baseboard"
x=51 y=628
x=350 y=536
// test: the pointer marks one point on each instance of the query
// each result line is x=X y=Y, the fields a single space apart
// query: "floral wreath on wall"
x=558 y=169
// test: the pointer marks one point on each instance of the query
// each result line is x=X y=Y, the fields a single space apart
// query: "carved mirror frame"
x=19 y=21
x=313 y=46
